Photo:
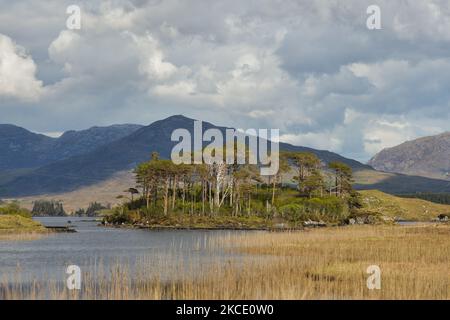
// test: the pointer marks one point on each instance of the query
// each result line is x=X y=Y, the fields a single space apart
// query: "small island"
x=304 y=193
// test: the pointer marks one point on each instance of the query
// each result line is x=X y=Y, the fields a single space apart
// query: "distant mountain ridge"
x=21 y=148
x=122 y=154
x=100 y=163
x=426 y=157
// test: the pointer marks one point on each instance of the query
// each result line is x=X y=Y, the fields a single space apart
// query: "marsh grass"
x=23 y=236
x=326 y=263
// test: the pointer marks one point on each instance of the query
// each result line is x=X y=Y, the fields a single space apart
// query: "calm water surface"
x=92 y=246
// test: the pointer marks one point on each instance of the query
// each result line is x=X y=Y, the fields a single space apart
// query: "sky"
x=311 y=68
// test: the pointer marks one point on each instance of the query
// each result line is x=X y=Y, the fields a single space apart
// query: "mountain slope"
x=73 y=143
x=21 y=149
x=427 y=157
x=123 y=154
x=396 y=183
x=84 y=171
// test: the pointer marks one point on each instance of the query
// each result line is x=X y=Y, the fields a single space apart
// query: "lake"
x=167 y=254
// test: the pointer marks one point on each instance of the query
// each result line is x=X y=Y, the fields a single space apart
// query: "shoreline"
x=218 y=228
x=403 y=223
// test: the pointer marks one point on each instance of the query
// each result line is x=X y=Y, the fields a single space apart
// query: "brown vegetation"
x=319 y=264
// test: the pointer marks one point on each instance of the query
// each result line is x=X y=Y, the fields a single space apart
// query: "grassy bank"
x=15 y=227
x=16 y=223
x=405 y=208
x=328 y=263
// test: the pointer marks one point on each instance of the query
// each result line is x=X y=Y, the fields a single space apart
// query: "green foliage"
x=92 y=211
x=330 y=209
x=48 y=208
x=237 y=190
x=121 y=215
x=308 y=176
x=343 y=177
x=14 y=223
x=14 y=209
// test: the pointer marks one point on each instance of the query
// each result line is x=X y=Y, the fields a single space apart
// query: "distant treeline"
x=45 y=208
x=92 y=211
x=442 y=198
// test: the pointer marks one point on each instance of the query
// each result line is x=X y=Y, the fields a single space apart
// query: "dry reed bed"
x=23 y=236
x=317 y=264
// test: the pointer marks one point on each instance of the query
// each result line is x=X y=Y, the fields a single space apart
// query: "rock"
x=311 y=223
x=360 y=220
x=442 y=217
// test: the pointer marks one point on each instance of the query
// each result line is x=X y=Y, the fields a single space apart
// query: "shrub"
x=329 y=209
x=14 y=209
x=120 y=215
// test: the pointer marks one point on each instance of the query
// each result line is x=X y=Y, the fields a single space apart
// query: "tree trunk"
x=174 y=190
x=273 y=190
x=203 y=197
x=166 y=196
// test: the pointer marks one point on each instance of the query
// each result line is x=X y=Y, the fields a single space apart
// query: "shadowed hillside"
x=22 y=149
x=398 y=183
x=123 y=154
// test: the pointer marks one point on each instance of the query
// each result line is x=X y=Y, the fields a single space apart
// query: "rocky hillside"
x=426 y=157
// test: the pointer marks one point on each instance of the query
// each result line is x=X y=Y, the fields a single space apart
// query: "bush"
x=329 y=209
x=364 y=217
x=121 y=215
x=293 y=212
x=14 y=209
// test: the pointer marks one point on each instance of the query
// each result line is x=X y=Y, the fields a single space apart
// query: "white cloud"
x=381 y=134
x=17 y=72
x=153 y=62
x=55 y=134
x=320 y=140
x=66 y=42
x=311 y=69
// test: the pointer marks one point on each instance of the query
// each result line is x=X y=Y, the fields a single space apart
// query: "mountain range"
x=33 y=164
x=426 y=157
x=22 y=149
